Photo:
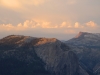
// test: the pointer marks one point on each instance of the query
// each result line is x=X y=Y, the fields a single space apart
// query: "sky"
x=61 y=19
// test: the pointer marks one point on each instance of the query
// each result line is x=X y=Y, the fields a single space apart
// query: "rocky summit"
x=87 y=47
x=25 y=55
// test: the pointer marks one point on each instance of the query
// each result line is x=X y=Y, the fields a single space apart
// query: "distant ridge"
x=81 y=34
x=87 y=35
x=87 y=47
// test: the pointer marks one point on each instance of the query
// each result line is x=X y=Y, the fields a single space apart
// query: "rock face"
x=24 y=55
x=82 y=71
x=87 y=47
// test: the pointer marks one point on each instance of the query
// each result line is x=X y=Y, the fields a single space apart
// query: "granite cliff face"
x=87 y=47
x=24 y=55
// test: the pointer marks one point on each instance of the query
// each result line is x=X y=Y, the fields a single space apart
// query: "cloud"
x=53 y=16
x=66 y=25
x=20 y=27
x=46 y=29
x=63 y=24
x=31 y=24
x=20 y=4
x=10 y=3
x=47 y=25
x=27 y=25
x=77 y=25
x=91 y=24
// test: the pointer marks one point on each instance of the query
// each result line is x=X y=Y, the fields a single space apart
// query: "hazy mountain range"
x=87 y=47
x=25 y=55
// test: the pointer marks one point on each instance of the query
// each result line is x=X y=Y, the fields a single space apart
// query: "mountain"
x=86 y=39
x=87 y=47
x=25 y=55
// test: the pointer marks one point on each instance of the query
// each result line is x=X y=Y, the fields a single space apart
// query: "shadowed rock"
x=25 y=55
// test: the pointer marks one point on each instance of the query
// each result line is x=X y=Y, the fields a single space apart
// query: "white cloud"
x=31 y=24
x=53 y=16
x=91 y=24
x=27 y=25
x=46 y=29
x=47 y=25
x=77 y=25
x=63 y=24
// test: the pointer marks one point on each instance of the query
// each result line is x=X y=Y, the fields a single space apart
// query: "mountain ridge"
x=36 y=56
x=87 y=48
x=81 y=34
x=87 y=35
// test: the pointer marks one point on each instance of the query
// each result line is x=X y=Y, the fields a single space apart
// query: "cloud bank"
x=33 y=27
x=49 y=18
